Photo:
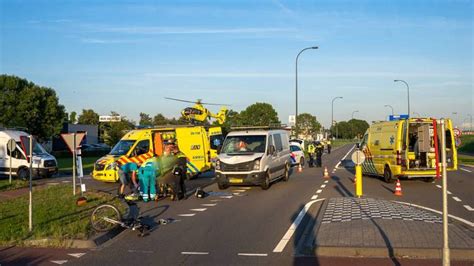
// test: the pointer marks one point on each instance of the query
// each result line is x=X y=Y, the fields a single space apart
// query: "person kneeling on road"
x=170 y=176
x=147 y=178
x=127 y=176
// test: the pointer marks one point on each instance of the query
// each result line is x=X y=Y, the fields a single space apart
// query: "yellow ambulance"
x=407 y=148
x=198 y=143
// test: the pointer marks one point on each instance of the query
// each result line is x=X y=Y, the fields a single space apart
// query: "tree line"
x=37 y=109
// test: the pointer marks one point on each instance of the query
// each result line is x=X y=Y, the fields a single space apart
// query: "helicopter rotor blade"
x=179 y=100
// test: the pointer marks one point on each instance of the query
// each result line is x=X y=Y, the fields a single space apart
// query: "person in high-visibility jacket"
x=173 y=171
x=311 y=150
x=319 y=153
x=147 y=178
x=328 y=143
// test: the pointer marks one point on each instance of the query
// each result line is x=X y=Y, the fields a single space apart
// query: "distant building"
x=92 y=135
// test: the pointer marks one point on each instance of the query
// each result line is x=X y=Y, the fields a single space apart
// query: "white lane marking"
x=457 y=199
x=291 y=230
x=469 y=171
x=58 y=261
x=337 y=165
x=253 y=254
x=343 y=158
x=238 y=190
x=198 y=210
x=187 y=214
x=66 y=181
x=468 y=208
x=438 y=212
x=319 y=191
x=314 y=197
x=325 y=182
x=77 y=255
x=449 y=192
x=226 y=197
x=53 y=183
x=236 y=193
x=323 y=186
x=194 y=253
x=247 y=188
x=215 y=200
x=439 y=186
x=209 y=205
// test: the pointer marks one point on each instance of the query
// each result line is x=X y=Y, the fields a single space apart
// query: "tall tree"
x=145 y=120
x=307 y=125
x=88 y=117
x=25 y=104
x=160 y=120
x=73 y=117
x=259 y=114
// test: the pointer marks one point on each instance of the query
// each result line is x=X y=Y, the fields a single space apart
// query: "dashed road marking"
x=187 y=214
x=198 y=210
x=247 y=188
x=323 y=186
x=439 y=186
x=468 y=208
x=194 y=253
x=58 y=261
x=253 y=254
x=449 y=192
x=337 y=165
x=314 y=197
x=66 y=181
x=209 y=204
x=77 y=255
x=325 y=182
x=291 y=230
x=226 y=197
x=319 y=191
x=457 y=199
x=438 y=212
x=469 y=171
x=215 y=200
x=238 y=190
x=140 y=251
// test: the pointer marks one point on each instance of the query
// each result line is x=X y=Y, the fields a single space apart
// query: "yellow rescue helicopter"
x=199 y=113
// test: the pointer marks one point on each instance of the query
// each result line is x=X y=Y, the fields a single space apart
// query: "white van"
x=44 y=164
x=253 y=157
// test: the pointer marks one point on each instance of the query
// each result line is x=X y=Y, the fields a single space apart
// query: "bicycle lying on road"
x=107 y=217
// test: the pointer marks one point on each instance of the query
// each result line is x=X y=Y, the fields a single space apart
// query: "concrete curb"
x=377 y=252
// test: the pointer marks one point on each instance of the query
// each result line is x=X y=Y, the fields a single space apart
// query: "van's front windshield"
x=244 y=144
x=122 y=147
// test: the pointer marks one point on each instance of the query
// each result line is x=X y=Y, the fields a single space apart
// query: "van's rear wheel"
x=23 y=174
x=266 y=183
x=387 y=174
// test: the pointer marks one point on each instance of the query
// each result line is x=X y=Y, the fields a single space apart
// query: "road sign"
x=11 y=144
x=457 y=132
x=358 y=157
x=110 y=118
x=69 y=140
x=25 y=145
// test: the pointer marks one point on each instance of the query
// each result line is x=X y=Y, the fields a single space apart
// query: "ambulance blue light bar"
x=397 y=117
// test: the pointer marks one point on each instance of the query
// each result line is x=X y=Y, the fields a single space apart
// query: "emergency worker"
x=147 y=177
x=127 y=176
x=172 y=170
x=311 y=151
x=328 y=143
x=319 y=153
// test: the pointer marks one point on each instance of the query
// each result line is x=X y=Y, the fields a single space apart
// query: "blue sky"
x=126 y=56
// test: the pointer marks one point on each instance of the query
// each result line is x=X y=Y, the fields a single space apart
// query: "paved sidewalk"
x=381 y=228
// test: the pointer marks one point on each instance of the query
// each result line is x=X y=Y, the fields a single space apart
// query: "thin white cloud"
x=366 y=74
x=185 y=30
x=106 y=41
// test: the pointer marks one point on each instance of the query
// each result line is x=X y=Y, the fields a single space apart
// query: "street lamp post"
x=408 y=91
x=332 y=111
x=296 y=80
x=388 y=105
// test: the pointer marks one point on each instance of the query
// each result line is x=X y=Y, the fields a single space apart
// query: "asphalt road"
x=246 y=225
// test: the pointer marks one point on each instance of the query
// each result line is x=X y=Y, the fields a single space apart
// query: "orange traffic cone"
x=398 y=189
x=300 y=169
x=326 y=174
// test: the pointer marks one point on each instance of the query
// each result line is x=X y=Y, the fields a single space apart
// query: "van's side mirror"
x=271 y=150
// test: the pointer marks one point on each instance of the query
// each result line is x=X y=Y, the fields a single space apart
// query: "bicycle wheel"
x=105 y=218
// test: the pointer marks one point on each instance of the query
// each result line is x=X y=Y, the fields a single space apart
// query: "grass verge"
x=341 y=142
x=65 y=164
x=467 y=144
x=55 y=216
x=5 y=184
x=466 y=159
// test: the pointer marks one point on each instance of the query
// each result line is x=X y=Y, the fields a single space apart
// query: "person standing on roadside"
x=319 y=154
x=328 y=143
x=311 y=151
